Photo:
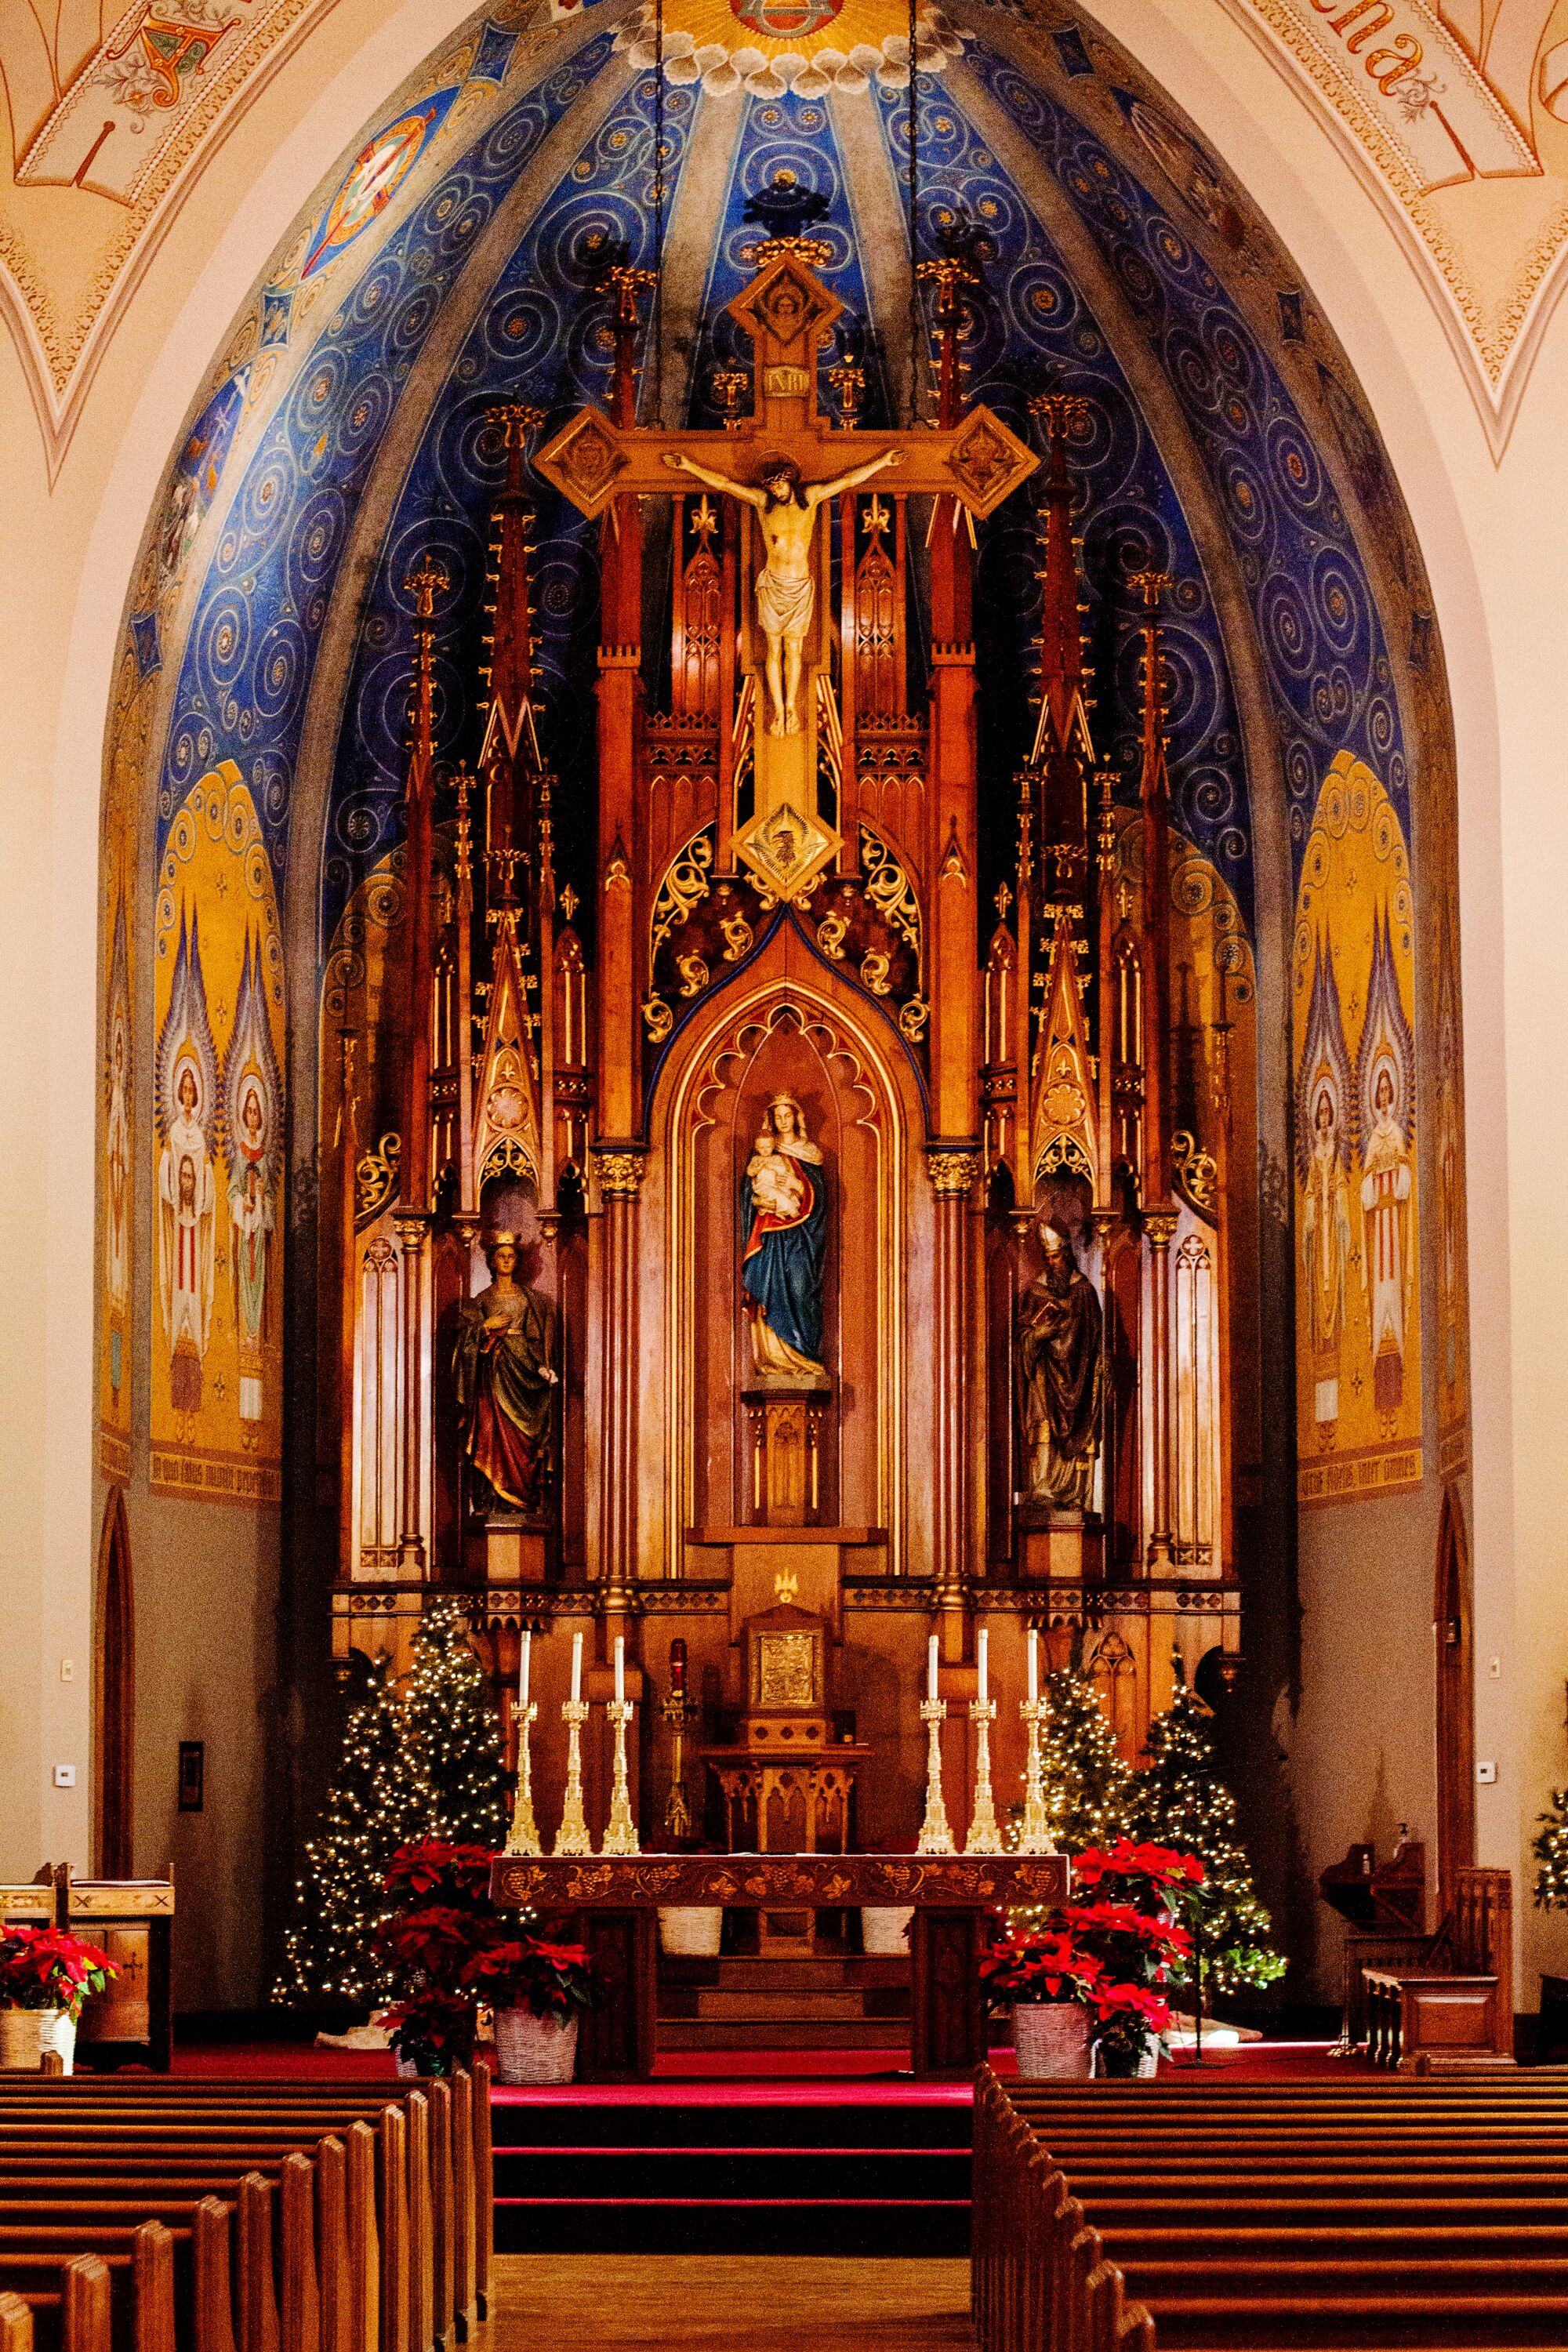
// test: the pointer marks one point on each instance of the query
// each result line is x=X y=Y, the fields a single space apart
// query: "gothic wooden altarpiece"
x=786 y=1227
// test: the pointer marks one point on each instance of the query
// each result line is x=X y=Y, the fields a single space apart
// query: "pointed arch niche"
x=785 y=1028
x=113 y=1696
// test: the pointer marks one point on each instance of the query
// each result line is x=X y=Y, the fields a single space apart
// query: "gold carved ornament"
x=888 y=889
x=619 y=1172
x=831 y=933
x=912 y=1018
x=659 y=1018
x=375 y=1177
x=1196 y=1170
x=693 y=971
x=952 y=1173
x=685 y=885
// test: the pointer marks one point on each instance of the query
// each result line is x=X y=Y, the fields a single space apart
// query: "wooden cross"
x=788 y=313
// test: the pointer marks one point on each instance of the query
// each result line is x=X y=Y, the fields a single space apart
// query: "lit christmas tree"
x=1549 y=1848
x=452 y=1736
x=425 y=1761
x=1086 y=1780
x=1180 y=1799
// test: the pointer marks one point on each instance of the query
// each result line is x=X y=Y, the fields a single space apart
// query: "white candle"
x=981 y=1643
x=620 y=1668
x=930 y=1668
x=1034 y=1666
x=577 y=1667
x=522 y=1668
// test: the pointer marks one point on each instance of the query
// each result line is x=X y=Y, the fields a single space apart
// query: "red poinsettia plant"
x=44 y=1968
x=533 y=1973
x=1111 y=1950
x=452 y=1954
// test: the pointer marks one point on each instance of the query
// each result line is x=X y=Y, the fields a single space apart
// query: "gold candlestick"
x=984 y=1837
x=1034 y=1834
x=572 y=1836
x=621 y=1835
x=523 y=1835
x=677 y=1811
x=935 y=1836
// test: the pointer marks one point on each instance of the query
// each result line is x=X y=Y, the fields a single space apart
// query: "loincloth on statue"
x=784 y=607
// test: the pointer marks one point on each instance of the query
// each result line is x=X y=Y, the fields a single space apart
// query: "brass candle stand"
x=935 y=1836
x=1035 y=1831
x=984 y=1837
x=677 y=1811
x=523 y=1835
x=572 y=1838
x=621 y=1834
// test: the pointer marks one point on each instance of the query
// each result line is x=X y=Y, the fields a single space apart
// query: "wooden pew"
x=352 y=2279
x=1452 y=2003
x=1250 y=2241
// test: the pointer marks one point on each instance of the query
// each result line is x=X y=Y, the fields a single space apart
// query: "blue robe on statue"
x=781 y=1262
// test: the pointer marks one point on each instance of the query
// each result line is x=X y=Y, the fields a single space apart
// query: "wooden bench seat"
x=1106 y=2218
x=367 y=2237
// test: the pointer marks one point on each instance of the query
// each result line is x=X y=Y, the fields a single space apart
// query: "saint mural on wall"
x=1324 y=1145
x=505 y=1376
x=253 y=1095
x=1359 y=1339
x=1385 y=1085
x=784 y=1214
x=1060 y=1354
x=216 y=1406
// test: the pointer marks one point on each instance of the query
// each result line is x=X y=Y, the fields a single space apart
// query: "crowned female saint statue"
x=1060 y=1372
x=503 y=1371
x=785 y=1216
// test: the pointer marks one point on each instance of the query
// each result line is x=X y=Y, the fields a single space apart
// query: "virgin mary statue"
x=784 y=1205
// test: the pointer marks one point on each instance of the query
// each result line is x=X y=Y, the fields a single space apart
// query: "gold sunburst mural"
x=764 y=48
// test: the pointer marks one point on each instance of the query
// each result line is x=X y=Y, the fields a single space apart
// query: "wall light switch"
x=64 y=1776
x=67 y=1670
x=1494 y=1669
x=1486 y=1773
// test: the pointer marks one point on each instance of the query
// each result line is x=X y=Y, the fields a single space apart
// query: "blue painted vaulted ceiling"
x=386 y=329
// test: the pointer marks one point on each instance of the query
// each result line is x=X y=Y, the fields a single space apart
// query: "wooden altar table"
x=616 y=1902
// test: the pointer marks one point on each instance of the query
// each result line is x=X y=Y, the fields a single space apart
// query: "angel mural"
x=1323 y=1101
x=187 y=1194
x=252 y=1121
x=785 y=1209
x=1385 y=1086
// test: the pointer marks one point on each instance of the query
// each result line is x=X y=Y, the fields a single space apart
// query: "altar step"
x=816 y=2170
x=827 y=2002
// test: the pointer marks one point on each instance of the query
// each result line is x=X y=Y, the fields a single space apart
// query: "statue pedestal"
x=1060 y=1547
x=784 y=1454
x=509 y=1551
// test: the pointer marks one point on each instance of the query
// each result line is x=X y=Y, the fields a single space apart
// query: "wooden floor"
x=747 y=2303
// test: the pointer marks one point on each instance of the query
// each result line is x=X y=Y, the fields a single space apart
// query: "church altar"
x=617 y=1900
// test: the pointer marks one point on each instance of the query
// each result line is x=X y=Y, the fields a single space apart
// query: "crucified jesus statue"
x=786 y=594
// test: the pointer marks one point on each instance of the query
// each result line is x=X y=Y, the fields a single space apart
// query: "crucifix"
x=784 y=464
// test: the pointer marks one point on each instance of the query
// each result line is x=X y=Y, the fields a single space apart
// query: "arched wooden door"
x=1455 y=1703
x=113 y=1696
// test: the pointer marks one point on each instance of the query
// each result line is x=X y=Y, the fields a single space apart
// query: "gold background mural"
x=217 y=1391
x=1358 y=1366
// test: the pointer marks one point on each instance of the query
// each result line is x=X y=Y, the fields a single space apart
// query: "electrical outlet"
x=1486 y=1773
x=64 y=1776
x=67 y=1670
